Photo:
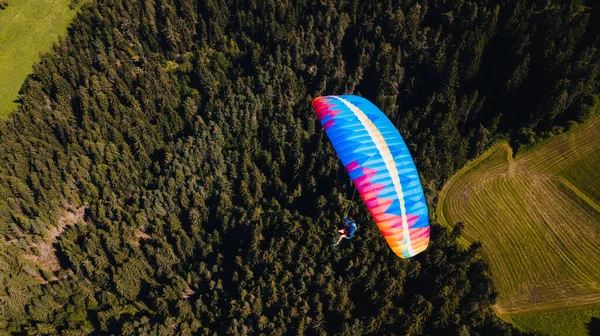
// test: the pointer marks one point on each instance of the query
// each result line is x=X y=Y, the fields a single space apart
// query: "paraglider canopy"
x=381 y=168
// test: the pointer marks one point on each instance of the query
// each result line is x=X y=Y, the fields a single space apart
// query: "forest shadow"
x=594 y=326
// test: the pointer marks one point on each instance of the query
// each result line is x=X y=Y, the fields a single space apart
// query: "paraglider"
x=381 y=168
x=347 y=232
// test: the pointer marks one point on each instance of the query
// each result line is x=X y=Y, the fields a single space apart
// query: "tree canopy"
x=184 y=132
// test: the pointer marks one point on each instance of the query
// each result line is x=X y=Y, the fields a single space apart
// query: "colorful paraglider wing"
x=380 y=167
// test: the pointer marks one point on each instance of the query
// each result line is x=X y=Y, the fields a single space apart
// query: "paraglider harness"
x=349 y=229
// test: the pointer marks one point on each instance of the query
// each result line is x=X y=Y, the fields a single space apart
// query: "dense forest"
x=167 y=152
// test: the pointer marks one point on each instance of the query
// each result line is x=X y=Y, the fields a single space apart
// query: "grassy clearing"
x=538 y=216
x=584 y=321
x=27 y=28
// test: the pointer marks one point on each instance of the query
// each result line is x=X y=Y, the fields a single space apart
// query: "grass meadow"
x=584 y=321
x=538 y=216
x=27 y=28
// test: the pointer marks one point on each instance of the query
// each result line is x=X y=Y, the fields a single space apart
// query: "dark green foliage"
x=185 y=130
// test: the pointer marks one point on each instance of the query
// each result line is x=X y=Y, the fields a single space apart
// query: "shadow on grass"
x=594 y=326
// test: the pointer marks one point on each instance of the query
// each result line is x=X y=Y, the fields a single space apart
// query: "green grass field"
x=27 y=28
x=562 y=323
x=538 y=216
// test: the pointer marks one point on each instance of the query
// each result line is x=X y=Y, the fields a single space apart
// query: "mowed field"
x=538 y=216
x=27 y=28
